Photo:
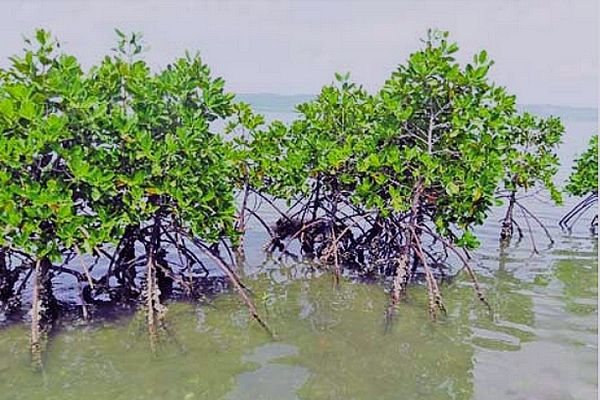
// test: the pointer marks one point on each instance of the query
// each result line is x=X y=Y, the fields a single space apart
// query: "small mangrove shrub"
x=530 y=167
x=583 y=182
x=393 y=183
x=114 y=177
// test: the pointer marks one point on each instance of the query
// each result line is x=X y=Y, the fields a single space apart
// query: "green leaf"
x=452 y=188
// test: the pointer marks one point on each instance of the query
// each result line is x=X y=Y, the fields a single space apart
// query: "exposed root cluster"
x=399 y=246
x=151 y=264
x=510 y=224
x=570 y=219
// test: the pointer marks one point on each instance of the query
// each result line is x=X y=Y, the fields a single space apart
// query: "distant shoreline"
x=270 y=102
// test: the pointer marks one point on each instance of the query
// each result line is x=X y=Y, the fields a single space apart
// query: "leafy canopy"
x=532 y=158
x=156 y=140
x=84 y=155
x=42 y=210
x=584 y=178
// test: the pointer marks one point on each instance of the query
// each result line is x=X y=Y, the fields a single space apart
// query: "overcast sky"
x=545 y=51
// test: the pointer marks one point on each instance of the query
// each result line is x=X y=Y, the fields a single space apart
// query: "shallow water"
x=332 y=343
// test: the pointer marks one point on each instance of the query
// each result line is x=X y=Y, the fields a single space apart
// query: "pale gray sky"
x=545 y=51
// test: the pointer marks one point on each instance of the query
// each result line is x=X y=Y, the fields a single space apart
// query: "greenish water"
x=541 y=342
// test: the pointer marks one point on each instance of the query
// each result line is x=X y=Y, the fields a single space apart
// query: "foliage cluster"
x=584 y=178
x=531 y=165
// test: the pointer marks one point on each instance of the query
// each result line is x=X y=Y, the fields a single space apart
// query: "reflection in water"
x=332 y=344
x=273 y=380
x=560 y=362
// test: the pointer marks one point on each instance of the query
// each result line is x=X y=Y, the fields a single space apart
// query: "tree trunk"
x=507 y=224
x=43 y=310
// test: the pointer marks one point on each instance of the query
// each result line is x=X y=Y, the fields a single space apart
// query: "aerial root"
x=508 y=221
x=509 y=224
x=237 y=284
x=42 y=311
x=36 y=317
x=466 y=266
x=240 y=225
x=154 y=310
x=435 y=296
x=568 y=221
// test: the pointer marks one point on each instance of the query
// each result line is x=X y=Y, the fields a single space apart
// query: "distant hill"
x=564 y=112
x=268 y=102
x=278 y=103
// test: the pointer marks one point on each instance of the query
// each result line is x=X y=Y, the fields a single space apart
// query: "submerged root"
x=399 y=284
x=163 y=278
x=154 y=309
x=400 y=278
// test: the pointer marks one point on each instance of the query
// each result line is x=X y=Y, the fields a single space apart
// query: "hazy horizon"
x=546 y=52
